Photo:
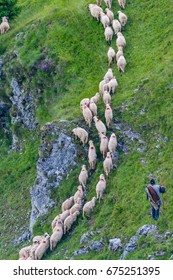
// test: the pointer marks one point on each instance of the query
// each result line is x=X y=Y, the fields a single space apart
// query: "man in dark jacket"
x=156 y=191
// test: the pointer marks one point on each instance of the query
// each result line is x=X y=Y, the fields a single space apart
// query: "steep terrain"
x=53 y=56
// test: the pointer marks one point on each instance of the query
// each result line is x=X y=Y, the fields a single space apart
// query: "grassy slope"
x=76 y=44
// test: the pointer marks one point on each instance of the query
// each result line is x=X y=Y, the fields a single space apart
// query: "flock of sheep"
x=4 y=26
x=71 y=207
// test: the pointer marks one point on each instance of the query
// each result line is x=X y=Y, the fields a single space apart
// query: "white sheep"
x=108 y=34
x=37 y=239
x=122 y=3
x=24 y=252
x=43 y=247
x=121 y=41
x=103 y=144
x=93 y=107
x=110 y=14
x=100 y=126
x=81 y=133
x=88 y=207
x=116 y=25
x=108 y=3
x=95 y=11
x=60 y=218
x=111 y=55
x=78 y=194
x=112 y=144
x=87 y=114
x=102 y=86
x=95 y=98
x=100 y=187
x=112 y=85
x=85 y=101
x=56 y=237
x=34 y=246
x=121 y=63
x=67 y=204
x=4 y=27
x=108 y=76
x=106 y=97
x=119 y=53
x=108 y=115
x=70 y=220
x=122 y=18
x=107 y=164
x=76 y=207
x=104 y=19
x=83 y=176
x=92 y=156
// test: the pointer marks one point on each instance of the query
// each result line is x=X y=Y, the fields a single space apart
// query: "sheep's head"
x=113 y=135
x=95 y=118
x=94 y=199
x=102 y=176
x=74 y=130
x=90 y=142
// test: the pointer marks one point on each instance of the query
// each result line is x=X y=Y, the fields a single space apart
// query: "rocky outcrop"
x=57 y=153
x=23 y=109
x=131 y=246
x=115 y=244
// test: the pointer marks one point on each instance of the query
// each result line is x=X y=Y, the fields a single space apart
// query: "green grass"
x=64 y=35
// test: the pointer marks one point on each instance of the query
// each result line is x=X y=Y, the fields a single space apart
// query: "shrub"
x=9 y=8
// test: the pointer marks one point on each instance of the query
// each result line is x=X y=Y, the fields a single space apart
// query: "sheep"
x=106 y=98
x=107 y=164
x=95 y=11
x=108 y=34
x=121 y=41
x=122 y=3
x=110 y=14
x=108 y=115
x=93 y=108
x=67 y=204
x=81 y=133
x=103 y=144
x=92 y=156
x=116 y=25
x=121 y=63
x=37 y=239
x=102 y=85
x=60 y=218
x=109 y=75
x=104 y=19
x=4 y=27
x=88 y=207
x=85 y=101
x=83 y=176
x=111 y=55
x=56 y=237
x=99 y=2
x=70 y=220
x=95 y=98
x=78 y=194
x=24 y=252
x=112 y=85
x=101 y=128
x=34 y=246
x=122 y=18
x=43 y=247
x=76 y=207
x=108 y=3
x=100 y=187
x=112 y=144
x=87 y=115
x=119 y=53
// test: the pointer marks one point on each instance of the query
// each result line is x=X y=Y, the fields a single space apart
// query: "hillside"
x=53 y=56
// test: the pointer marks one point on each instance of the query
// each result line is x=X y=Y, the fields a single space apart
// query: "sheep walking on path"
x=83 y=176
x=81 y=133
x=121 y=63
x=122 y=18
x=103 y=145
x=108 y=115
x=111 y=55
x=88 y=207
x=107 y=164
x=100 y=187
x=4 y=26
x=112 y=144
x=92 y=156
x=100 y=126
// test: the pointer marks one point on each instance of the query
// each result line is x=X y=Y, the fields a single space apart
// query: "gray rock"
x=151 y=257
x=167 y=234
x=160 y=253
x=171 y=257
x=96 y=245
x=131 y=246
x=80 y=252
x=85 y=236
x=51 y=168
x=25 y=236
x=24 y=110
x=115 y=244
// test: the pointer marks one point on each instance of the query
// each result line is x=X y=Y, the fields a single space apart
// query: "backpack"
x=153 y=197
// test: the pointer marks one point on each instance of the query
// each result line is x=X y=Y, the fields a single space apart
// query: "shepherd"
x=154 y=196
